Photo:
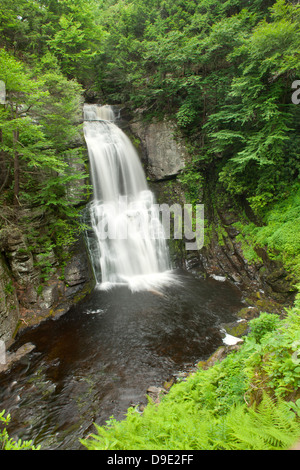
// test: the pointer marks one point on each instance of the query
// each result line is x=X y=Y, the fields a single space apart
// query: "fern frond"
x=266 y=427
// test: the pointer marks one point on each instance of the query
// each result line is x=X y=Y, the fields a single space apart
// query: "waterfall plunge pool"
x=100 y=357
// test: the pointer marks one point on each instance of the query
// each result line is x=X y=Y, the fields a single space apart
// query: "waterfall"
x=127 y=243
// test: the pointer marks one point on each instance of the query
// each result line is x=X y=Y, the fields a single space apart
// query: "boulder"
x=155 y=393
x=13 y=357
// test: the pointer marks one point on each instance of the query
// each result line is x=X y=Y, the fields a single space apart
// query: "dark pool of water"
x=100 y=357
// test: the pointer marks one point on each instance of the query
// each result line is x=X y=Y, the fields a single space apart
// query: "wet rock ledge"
x=25 y=298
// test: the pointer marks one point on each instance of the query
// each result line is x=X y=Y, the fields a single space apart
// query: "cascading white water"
x=129 y=244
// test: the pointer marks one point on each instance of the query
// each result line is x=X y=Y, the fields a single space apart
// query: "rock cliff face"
x=34 y=284
x=25 y=297
x=19 y=258
x=223 y=255
x=165 y=155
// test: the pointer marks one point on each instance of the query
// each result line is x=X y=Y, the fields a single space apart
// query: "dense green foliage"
x=179 y=425
x=279 y=233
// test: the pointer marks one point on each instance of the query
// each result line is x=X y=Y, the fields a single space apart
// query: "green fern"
x=179 y=426
x=266 y=427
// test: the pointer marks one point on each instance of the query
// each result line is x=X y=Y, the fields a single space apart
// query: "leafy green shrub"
x=274 y=363
x=6 y=443
x=265 y=323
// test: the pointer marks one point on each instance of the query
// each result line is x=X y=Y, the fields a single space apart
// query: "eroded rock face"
x=78 y=272
x=9 y=306
x=76 y=192
x=19 y=257
x=26 y=298
x=165 y=154
x=56 y=296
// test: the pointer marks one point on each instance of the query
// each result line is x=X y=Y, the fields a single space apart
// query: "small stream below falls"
x=100 y=357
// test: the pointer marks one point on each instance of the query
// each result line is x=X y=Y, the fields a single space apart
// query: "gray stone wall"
x=165 y=154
